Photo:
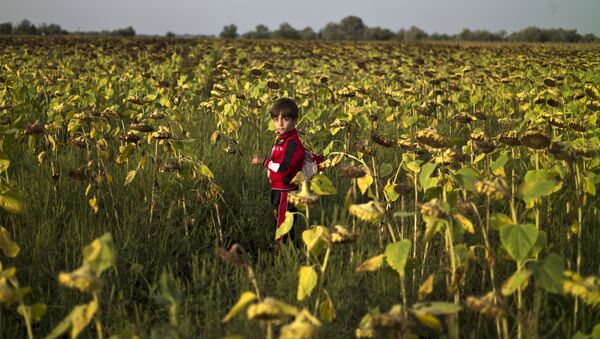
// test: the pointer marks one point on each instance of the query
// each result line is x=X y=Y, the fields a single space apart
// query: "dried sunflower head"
x=145 y=128
x=561 y=151
x=304 y=326
x=492 y=189
x=433 y=208
x=273 y=84
x=431 y=138
x=578 y=126
x=84 y=279
x=304 y=197
x=382 y=139
x=236 y=255
x=406 y=144
x=549 y=82
x=341 y=235
x=509 y=138
x=586 y=289
x=535 y=138
x=450 y=156
x=346 y=92
x=352 y=172
x=267 y=310
x=255 y=72
x=464 y=118
x=486 y=306
x=34 y=128
x=364 y=147
x=371 y=211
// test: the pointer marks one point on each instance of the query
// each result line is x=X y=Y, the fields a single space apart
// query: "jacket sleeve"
x=293 y=155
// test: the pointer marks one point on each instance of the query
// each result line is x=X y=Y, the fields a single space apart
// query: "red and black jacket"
x=287 y=157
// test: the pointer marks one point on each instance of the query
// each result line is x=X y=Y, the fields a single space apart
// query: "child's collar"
x=287 y=134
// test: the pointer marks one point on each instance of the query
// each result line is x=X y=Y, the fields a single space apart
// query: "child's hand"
x=257 y=159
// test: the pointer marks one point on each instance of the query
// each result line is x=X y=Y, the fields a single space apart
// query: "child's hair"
x=285 y=107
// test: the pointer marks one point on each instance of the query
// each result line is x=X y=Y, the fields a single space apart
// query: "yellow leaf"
x=499 y=172
x=245 y=299
x=10 y=248
x=465 y=223
x=371 y=264
x=82 y=316
x=426 y=287
x=41 y=157
x=326 y=309
x=307 y=280
x=429 y=320
x=364 y=182
x=94 y=204
x=130 y=177
x=11 y=201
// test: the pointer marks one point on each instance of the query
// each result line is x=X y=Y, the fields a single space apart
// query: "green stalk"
x=322 y=278
x=25 y=315
x=519 y=306
x=98 y=315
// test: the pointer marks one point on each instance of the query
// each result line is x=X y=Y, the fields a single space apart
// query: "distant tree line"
x=353 y=28
x=26 y=27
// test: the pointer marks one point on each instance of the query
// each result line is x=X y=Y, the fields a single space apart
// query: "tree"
x=229 y=32
x=128 y=31
x=352 y=28
x=25 y=27
x=331 y=31
x=308 y=34
x=286 y=31
x=6 y=28
x=415 y=33
x=52 y=29
x=260 y=32
x=378 y=33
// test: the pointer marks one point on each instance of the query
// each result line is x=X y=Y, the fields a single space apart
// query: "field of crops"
x=459 y=195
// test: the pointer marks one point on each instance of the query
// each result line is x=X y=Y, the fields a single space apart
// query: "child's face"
x=283 y=125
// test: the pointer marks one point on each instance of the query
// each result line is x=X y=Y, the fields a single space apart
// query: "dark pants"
x=280 y=206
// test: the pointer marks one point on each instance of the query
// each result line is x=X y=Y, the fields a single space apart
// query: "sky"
x=208 y=17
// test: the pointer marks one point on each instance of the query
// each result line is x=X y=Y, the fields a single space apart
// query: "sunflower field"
x=458 y=197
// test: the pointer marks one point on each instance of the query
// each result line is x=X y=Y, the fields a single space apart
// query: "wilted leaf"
x=364 y=182
x=126 y=152
x=429 y=320
x=518 y=279
x=245 y=299
x=206 y=171
x=436 y=307
x=307 y=280
x=4 y=161
x=130 y=177
x=465 y=223
x=7 y=244
x=371 y=264
x=11 y=201
x=285 y=226
x=82 y=315
x=326 y=309
x=426 y=287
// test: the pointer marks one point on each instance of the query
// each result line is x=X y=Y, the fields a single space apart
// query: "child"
x=287 y=157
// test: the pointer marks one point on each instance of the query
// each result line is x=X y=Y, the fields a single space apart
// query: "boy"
x=287 y=157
